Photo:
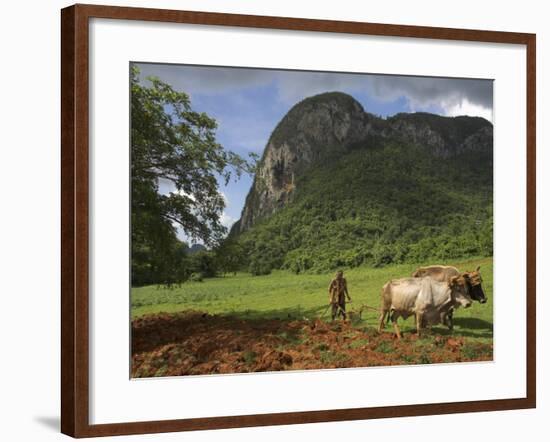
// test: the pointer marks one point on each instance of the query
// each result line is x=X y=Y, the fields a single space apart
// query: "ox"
x=425 y=298
x=445 y=273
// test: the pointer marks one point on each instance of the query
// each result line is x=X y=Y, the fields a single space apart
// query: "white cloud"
x=181 y=234
x=426 y=91
x=182 y=193
x=464 y=107
x=455 y=96
x=166 y=187
x=227 y=220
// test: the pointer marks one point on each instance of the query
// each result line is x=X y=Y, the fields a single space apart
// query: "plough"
x=352 y=313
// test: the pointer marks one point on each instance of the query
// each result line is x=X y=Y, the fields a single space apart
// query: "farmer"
x=337 y=292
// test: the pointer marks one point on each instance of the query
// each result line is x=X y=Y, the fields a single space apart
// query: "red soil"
x=192 y=343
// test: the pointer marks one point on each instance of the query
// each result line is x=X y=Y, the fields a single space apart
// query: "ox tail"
x=386 y=302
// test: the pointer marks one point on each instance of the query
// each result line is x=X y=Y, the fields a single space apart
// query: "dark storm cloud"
x=452 y=96
x=425 y=90
x=205 y=79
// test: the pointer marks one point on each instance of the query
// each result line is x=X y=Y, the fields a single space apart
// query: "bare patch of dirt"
x=192 y=343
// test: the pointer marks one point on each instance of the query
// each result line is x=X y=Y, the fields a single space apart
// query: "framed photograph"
x=272 y=221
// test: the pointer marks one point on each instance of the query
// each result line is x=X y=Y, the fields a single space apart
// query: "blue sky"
x=248 y=103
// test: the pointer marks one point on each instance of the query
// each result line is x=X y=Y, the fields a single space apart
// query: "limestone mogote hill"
x=337 y=186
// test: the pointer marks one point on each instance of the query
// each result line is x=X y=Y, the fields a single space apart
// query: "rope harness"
x=351 y=312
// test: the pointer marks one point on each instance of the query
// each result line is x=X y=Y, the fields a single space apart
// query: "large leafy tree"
x=172 y=142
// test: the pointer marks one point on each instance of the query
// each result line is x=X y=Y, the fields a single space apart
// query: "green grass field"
x=285 y=295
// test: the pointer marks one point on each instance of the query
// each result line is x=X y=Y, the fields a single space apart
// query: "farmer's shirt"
x=337 y=289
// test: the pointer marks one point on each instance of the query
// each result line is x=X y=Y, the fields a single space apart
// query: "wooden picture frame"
x=75 y=219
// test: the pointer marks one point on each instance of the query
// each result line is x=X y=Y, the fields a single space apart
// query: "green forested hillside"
x=387 y=203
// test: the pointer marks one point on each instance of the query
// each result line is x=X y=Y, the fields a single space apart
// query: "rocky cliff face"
x=330 y=124
x=311 y=131
x=443 y=136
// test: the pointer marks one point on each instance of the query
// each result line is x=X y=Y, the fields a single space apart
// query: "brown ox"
x=425 y=298
x=445 y=273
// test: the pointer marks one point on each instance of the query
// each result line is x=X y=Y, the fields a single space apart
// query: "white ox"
x=425 y=298
x=445 y=273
